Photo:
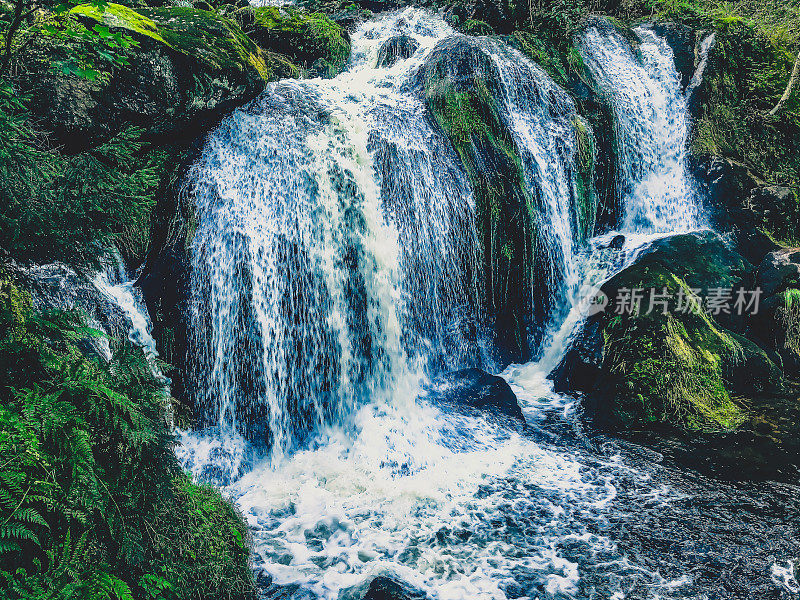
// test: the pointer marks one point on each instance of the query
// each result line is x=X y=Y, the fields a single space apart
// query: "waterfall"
x=337 y=261
x=651 y=127
x=336 y=258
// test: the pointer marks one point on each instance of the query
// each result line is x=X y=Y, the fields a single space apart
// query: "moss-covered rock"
x=672 y=363
x=190 y=67
x=459 y=84
x=586 y=198
x=308 y=39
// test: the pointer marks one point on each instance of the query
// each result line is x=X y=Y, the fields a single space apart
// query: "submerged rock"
x=397 y=48
x=189 y=69
x=474 y=390
x=383 y=587
x=670 y=363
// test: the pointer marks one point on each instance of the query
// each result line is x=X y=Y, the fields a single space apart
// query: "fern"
x=92 y=502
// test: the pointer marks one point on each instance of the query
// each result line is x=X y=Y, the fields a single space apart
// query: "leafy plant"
x=93 y=49
x=55 y=206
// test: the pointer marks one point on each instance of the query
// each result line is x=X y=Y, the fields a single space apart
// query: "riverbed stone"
x=475 y=391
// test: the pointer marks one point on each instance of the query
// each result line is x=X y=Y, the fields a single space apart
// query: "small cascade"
x=337 y=257
x=116 y=284
x=706 y=46
x=651 y=125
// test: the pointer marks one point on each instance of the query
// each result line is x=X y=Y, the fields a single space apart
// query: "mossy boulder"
x=190 y=68
x=460 y=85
x=308 y=39
x=671 y=364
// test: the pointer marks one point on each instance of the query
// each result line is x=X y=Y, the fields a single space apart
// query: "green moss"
x=213 y=40
x=670 y=368
x=789 y=317
x=116 y=15
x=543 y=53
x=476 y=27
x=586 y=199
x=200 y=543
x=305 y=37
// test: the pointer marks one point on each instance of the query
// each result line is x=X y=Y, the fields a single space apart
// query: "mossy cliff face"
x=308 y=39
x=190 y=68
x=459 y=84
x=674 y=365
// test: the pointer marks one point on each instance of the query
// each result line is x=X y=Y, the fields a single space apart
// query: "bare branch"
x=789 y=87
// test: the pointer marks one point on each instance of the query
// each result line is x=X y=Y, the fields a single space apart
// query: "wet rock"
x=191 y=67
x=56 y=286
x=383 y=587
x=461 y=86
x=779 y=271
x=740 y=204
x=475 y=391
x=617 y=242
x=165 y=279
x=397 y=48
x=777 y=323
x=683 y=41
x=667 y=363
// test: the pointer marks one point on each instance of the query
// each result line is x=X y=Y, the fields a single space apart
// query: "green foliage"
x=98 y=49
x=65 y=207
x=748 y=75
x=94 y=50
x=92 y=502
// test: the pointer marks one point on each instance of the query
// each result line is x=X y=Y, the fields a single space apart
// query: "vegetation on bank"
x=93 y=503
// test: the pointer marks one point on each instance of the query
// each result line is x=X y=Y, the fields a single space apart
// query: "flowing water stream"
x=336 y=267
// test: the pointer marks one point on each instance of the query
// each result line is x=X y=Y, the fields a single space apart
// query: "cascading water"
x=337 y=253
x=336 y=259
x=651 y=126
